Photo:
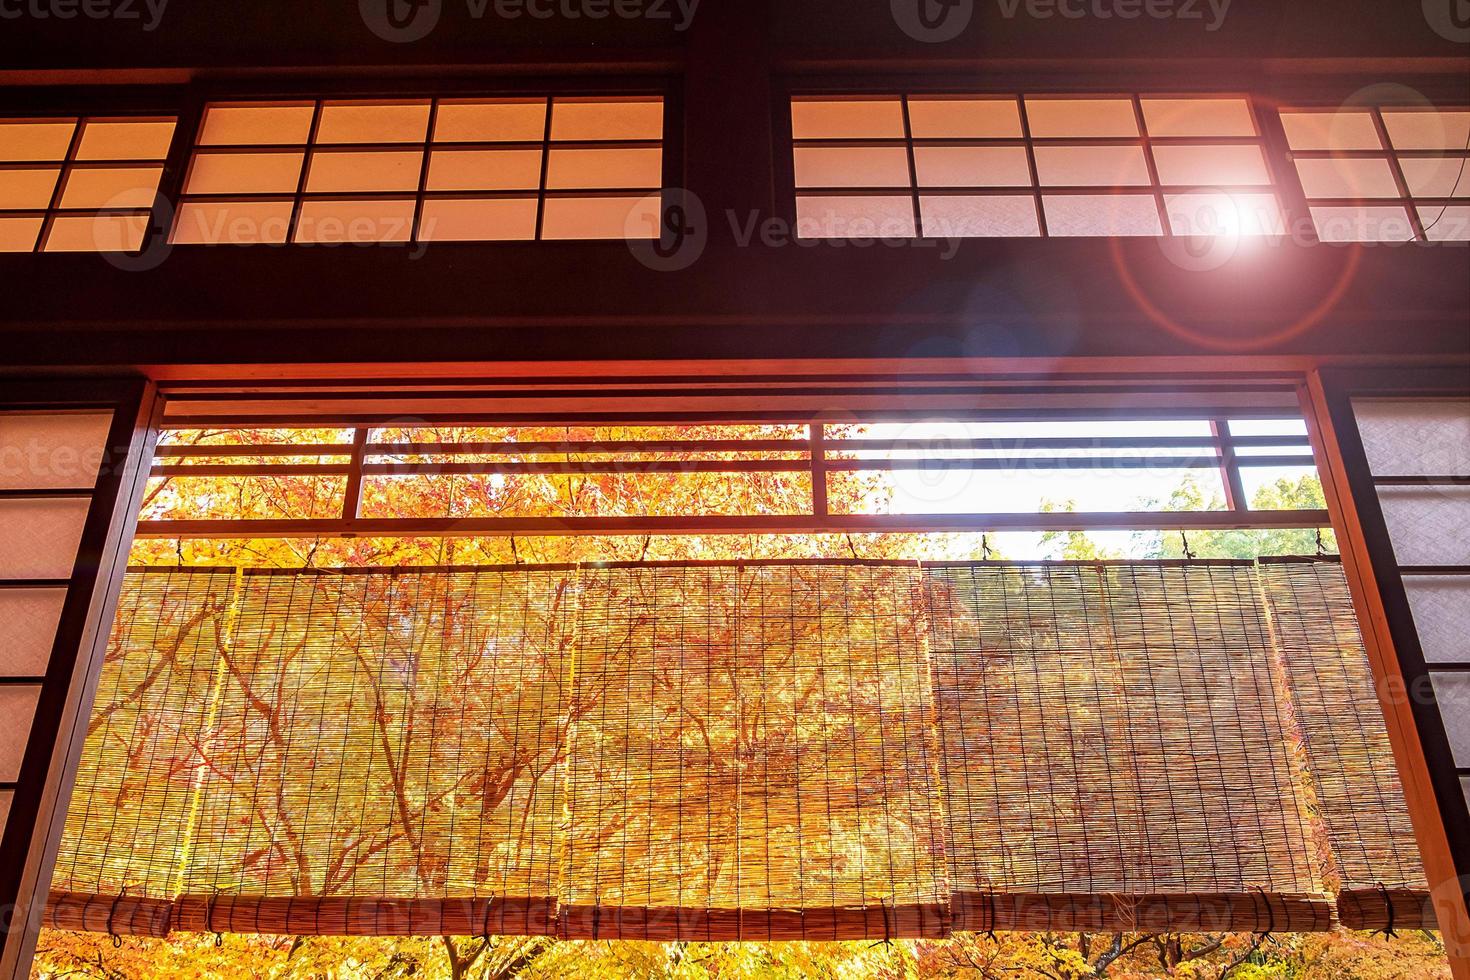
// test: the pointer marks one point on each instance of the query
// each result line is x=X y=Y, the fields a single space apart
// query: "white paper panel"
x=17 y=710
x=53 y=451
x=28 y=619
x=1425 y=437
x=1441 y=605
x=1428 y=525
x=39 y=538
x=1452 y=691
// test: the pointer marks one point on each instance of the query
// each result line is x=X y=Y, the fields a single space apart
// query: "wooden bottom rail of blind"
x=1257 y=912
x=1226 y=912
x=1379 y=910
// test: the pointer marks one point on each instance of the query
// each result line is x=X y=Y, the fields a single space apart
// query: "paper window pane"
x=1436 y=176
x=972 y=166
x=1081 y=117
x=864 y=166
x=1415 y=437
x=355 y=221
x=1441 y=607
x=867 y=216
x=367 y=170
x=1219 y=213
x=27 y=188
x=1452 y=691
x=490 y=219
x=26 y=140
x=979 y=216
x=1341 y=129
x=245 y=173
x=240 y=125
x=1428 y=525
x=1101 y=215
x=129 y=187
x=20 y=234
x=607 y=119
x=602 y=217
x=484 y=170
x=604 y=168
x=102 y=233
x=232 y=223
x=60 y=451
x=1427 y=129
x=31 y=617
x=1445 y=223
x=478 y=121
x=1362 y=224
x=940 y=118
x=847 y=119
x=17 y=714
x=1198 y=117
x=373 y=122
x=125 y=139
x=1211 y=166
x=1347 y=178
x=1091 y=166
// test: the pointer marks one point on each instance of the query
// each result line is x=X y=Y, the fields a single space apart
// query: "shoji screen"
x=67 y=478
x=1418 y=451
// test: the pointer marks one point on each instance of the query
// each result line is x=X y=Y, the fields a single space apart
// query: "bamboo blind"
x=1381 y=880
x=753 y=757
x=1116 y=751
x=701 y=751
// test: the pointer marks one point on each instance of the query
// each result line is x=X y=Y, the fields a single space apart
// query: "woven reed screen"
x=1116 y=751
x=760 y=762
x=831 y=750
x=1381 y=880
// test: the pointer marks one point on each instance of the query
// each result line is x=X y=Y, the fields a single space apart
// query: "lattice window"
x=439 y=169
x=1383 y=174
x=960 y=166
x=79 y=185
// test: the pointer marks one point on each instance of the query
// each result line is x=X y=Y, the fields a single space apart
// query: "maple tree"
x=1054 y=956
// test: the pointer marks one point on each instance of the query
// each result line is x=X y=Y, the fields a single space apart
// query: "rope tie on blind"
x=209 y=903
x=990 y=900
x=485 y=926
x=851 y=547
x=887 y=939
x=984 y=547
x=1321 y=545
x=1270 y=914
x=514 y=552
x=1184 y=540
x=1388 y=905
x=112 y=914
